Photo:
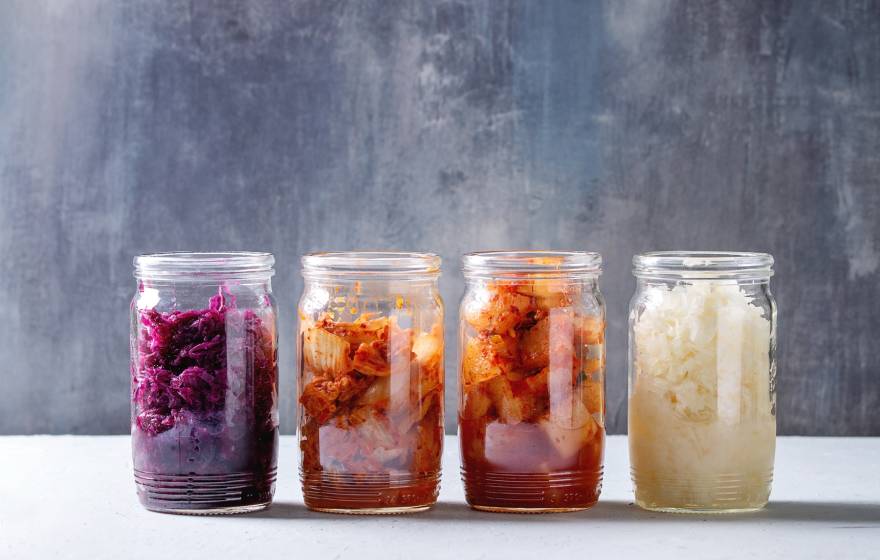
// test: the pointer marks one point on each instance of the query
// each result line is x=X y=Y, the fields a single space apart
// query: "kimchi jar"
x=702 y=420
x=532 y=407
x=204 y=379
x=370 y=382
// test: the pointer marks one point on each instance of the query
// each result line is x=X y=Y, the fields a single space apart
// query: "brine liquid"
x=191 y=469
x=205 y=494
x=517 y=468
x=710 y=466
x=369 y=493
x=344 y=472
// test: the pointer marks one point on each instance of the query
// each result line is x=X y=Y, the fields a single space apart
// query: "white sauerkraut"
x=701 y=424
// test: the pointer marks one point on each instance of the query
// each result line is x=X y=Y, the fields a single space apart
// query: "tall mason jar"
x=532 y=404
x=370 y=382
x=204 y=376
x=702 y=404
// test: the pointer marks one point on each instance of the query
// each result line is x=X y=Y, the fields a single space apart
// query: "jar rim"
x=371 y=263
x=182 y=264
x=532 y=262
x=703 y=264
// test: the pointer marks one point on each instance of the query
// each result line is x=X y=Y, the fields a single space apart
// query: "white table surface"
x=73 y=497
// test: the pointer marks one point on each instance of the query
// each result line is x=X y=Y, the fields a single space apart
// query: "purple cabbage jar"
x=204 y=382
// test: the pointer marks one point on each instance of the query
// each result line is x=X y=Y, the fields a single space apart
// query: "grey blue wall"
x=295 y=126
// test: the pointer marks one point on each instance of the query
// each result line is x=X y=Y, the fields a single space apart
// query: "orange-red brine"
x=531 y=414
x=371 y=427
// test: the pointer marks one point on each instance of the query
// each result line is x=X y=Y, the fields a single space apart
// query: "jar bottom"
x=374 y=511
x=492 y=509
x=698 y=510
x=369 y=494
x=195 y=494
x=702 y=494
x=556 y=492
x=231 y=510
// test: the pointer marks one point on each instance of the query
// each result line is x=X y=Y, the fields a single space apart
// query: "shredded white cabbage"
x=701 y=406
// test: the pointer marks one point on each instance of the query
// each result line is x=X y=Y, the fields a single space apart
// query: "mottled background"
x=295 y=126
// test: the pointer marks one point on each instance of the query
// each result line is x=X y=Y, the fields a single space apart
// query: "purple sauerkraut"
x=204 y=394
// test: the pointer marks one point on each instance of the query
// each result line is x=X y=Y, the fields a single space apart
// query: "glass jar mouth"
x=532 y=263
x=371 y=263
x=191 y=265
x=706 y=265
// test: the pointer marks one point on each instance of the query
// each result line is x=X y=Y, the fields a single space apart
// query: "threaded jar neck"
x=532 y=264
x=371 y=265
x=204 y=267
x=703 y=265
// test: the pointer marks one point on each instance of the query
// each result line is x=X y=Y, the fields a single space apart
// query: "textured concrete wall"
x=128 y=127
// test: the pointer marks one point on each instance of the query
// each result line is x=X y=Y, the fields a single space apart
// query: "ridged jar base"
x=722 y=493
x=373 y=511
x=532 y=492
x=369 y=494
x=194 y=494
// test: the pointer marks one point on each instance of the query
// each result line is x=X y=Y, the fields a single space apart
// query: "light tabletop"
x=73 y=497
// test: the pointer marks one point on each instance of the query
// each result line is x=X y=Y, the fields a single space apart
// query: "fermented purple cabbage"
x=182 y=358
x=204 y=392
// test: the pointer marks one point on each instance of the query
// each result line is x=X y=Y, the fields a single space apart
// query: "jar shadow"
x=840 y=514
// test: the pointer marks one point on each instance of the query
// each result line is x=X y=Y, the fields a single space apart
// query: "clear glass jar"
x=532 y=407
x=702 y=403
x=204 y=376
x=370 y=382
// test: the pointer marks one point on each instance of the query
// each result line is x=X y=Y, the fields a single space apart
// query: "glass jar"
x=370 y=382
x=204 y=376
x=532 y=406
x=702 y=403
